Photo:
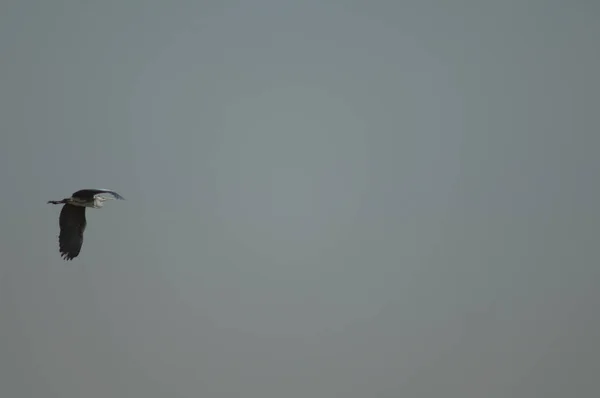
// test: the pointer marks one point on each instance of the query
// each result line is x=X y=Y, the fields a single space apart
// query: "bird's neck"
x=80 y=202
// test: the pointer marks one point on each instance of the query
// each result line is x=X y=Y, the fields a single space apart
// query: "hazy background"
x=324 y=199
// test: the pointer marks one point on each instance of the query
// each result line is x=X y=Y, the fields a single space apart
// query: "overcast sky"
x=324 y=198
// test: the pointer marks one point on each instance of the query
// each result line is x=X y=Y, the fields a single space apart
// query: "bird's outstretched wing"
x=90 y=193
x=72 y=224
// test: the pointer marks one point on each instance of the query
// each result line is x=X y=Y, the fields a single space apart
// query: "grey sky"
x=324 y=199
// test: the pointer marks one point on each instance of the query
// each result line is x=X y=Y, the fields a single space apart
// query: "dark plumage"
x=90 y=193
x=72 y=220
x=72 y=225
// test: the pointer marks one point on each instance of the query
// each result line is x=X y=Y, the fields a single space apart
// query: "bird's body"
x=72 y=220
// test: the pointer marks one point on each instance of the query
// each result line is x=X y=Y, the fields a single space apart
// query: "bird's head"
x=100 y=199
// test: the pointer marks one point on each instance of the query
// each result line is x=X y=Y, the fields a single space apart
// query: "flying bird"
x=72 y=220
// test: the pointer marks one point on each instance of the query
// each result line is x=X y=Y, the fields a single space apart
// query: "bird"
x=72 y=221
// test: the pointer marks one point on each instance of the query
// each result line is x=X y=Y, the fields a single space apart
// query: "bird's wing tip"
x=114 y=194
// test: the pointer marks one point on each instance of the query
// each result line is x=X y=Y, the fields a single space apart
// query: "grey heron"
x=72 y=220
